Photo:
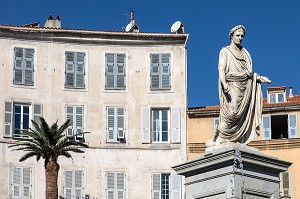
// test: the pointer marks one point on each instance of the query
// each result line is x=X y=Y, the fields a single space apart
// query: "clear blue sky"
x=272 y=32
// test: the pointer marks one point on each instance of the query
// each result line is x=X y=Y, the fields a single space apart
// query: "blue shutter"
x=70 y=116
x=165 y=71
x=110 y=135
x=109 y=72
x=70 y=69
x=28 y=68
x=80 y=70
x=154 y=71
x=156 y=186
x=175 y=125
x=292 y=125
x=120 y=71
x=120 y=115
x=18 y=65
x=79 y=121
x=8 y=118
x=145 y=131
x=266 y=130
x=176 y=186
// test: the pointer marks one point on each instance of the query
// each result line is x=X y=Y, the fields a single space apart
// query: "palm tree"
x=49 y=143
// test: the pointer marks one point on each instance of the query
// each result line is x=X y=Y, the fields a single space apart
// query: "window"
x=115 y=185
x=23 y=66
x=156 y=125
x=166 y=186
x=115 y=124
x=115 y=71
x=18 y=117
x=216 y=123
x=285 y=184
x=73 y=186
x=276 y=97
x=279 y=126
x=75 y=115
x=21 y=182
x=75 y=70
x=160 y=75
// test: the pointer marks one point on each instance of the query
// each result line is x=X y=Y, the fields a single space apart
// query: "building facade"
x=278 y=133
x=128 y=89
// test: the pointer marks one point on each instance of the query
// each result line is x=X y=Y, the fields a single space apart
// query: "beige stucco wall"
x=200 y=129
x=137 y=160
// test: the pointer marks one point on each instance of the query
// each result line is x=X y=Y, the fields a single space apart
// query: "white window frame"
x=276 y=97
x=267 y=132
x=115 y=124
x=73 y=189
x=22 y=182
x=174 y=186
x=74 y=127
x=115 y=184
x=158 y=132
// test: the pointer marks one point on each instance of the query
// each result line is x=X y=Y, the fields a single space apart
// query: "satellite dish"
x=177 y=27
x=128 y=27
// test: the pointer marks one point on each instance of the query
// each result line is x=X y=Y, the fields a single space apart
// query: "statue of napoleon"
x=239 y=92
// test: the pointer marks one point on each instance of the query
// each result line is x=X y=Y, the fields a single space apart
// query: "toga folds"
x=241 y=107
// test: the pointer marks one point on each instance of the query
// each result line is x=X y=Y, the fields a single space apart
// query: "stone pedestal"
x=232 y=170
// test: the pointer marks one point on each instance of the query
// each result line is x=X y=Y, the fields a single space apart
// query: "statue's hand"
x=226 y=88
x=265 y=80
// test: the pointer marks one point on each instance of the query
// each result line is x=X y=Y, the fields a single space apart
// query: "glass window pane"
x=272 y=98
x=164 y=114
x=25 y=122
x=17 y=109
x=26 y=109
x=280 y=97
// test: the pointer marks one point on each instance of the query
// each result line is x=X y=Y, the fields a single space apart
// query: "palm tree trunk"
x=52 y=168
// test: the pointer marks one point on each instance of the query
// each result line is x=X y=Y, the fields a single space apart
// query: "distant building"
x=127 y=89
x=278 y=135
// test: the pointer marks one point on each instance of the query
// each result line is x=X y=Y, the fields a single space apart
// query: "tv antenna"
x=132 y=27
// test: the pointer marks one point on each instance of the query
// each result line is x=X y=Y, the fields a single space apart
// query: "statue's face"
x=238 y=36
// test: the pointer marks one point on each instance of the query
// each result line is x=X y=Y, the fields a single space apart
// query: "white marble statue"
x=239 y=92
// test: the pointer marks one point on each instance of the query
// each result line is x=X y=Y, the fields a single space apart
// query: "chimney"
x=53 y=23
x=291 y=91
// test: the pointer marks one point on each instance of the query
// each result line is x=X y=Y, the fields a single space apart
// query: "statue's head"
x=235 y=28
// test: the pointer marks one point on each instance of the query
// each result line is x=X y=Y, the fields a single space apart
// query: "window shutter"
x=70 y=115
x=37 y=112
x=26 y=182
x=154 y=71
x=285 y=183
x=111 y=124
x=80 y=70
x=110 y=185
x=78 y=184
x=176 y=125
x=70 y=69
x=216 y=123
x=176 y=186
x=121 y=185
x=109 y=75
x=145 y=125
x=18 y=65
x=120 y=122
x=16 y=182
x=266 y=131
x=293 y=130
x=28 y=65
x=8 y=115
x=156 y=186
x=120 y=76
x=68 y=184
x=165 y=71
x=79 y=121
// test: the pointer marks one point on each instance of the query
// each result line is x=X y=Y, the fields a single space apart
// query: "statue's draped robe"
x=241 y=107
